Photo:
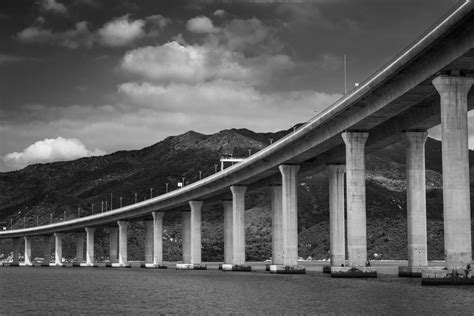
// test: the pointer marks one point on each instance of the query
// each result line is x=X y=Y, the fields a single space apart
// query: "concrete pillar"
x=123 y=260
x=46 y=250
x=80 y=248
x=90 y=246
x=290 y=213
x=238 y=224
x=277 y=225
x=196 y=207
x=356 y=213
x=16 y=252
x=28 y=251
x=455 y=156
x=186 y=247
x=113 y=244
x=58 y=249
x=416 y=199
x=336 y=215
x=227 y=231
x=158 y=237
x=148 y=241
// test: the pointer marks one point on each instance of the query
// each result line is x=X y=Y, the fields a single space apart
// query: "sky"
x=89 y=77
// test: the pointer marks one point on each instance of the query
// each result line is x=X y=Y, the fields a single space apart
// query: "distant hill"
x=70 y=187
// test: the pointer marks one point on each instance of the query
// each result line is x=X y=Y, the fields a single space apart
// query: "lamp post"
x=120 y=202
x=167 y=187
x=102 y=206
x=135 y=197
x=111 y=199
x=183 y=180
x=250 y=152
x=151 y=193
x=106 y=206
x=51 y=217
x=92 y=209
x=200 y=174
x=64 y=215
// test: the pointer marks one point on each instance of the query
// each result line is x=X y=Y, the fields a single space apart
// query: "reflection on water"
x=106 y=291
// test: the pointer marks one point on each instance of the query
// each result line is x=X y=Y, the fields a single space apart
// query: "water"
x=143 y=291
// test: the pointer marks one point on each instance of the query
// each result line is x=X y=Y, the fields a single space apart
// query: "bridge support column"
x=416 y=205
x=28 y=251
x=227 y=231
x=336 y=215
x=456 y=191
x=289 y=221
x=238 y=231
x=148 y=241
x=356 y=213
x=157 y=241
x=186 y=246
x=89 y=247
x=113 y=245
x=58 y=249
x=16 y=252
x=79 y=249
x=46 y=251
x=123 y=239
x=277 y=225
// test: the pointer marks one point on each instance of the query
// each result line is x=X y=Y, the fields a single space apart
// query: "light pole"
x=250 y=152
x=51 y=217
x=135 y=197
x=183 y=180
x=102 y=206
x=111 y=199
x=200 y=174
x=166 y=187
x=92 y=209
x=151 y=193
x=64 y=215
x=120 y=202
x=106 y=206
x=215 y=168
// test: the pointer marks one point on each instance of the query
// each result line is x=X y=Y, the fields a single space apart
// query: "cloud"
x=220 y=13
x=49 y=150
x=53 y=6
x=175 y=62
x=79 y=36
x=121 y=31
x=116 y=33
x=201 y=24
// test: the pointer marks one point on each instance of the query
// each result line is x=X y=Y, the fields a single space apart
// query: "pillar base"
x=236 y=267
x=57 y=265
x=155 y=266
x=190 y=266
x=327 y=269
x=8 y=264
x=120 y=265
x=410 y=272
x=27 y=264
x=433 y=276
x=91 y=265
x=283 y=269
x=353 y=272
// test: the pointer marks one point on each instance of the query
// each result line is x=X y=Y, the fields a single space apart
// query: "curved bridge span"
x=427 y=84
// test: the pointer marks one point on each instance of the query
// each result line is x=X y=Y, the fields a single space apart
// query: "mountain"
x=60 y=189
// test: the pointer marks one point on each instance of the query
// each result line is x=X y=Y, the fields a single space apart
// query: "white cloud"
x=220 y=13
x=53 y=6
x=121 y=31
x=49 y=150
x=74 y=38
x=201 y=24
x=175 y=62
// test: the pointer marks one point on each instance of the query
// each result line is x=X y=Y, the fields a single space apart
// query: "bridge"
x=426 y=85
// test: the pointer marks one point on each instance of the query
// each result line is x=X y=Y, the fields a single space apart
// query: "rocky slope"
x=66 y=188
